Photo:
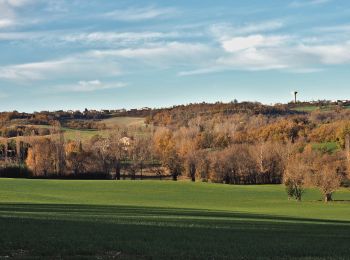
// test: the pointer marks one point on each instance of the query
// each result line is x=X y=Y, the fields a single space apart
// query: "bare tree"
x=295 y=177
x=100 y=147
x=59 y=145
x=142 y=152
x=119 y=148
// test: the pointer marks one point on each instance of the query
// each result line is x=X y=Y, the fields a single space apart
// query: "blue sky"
x=57 y=54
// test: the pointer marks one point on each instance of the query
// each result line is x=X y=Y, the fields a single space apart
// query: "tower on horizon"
x=295 y=96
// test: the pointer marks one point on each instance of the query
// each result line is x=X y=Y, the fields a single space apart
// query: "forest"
x=231 y=143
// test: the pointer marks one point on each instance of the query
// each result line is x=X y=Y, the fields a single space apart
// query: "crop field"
x=57 y=219
x=124 y=122
x=111 y=123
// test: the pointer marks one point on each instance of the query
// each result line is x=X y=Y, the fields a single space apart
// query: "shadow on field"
x=125 y=232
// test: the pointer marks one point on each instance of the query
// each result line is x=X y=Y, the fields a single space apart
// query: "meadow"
x=110 y=123
x=168 y=220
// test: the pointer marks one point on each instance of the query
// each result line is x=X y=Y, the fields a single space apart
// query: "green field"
x=111 y=123
x=326 y=147
x=54 y=219
x=312 y=108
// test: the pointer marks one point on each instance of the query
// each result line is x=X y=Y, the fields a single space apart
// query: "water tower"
x=295 y=96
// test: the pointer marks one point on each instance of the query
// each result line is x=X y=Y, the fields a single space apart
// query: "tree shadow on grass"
x=332 y=201
x=126 y=232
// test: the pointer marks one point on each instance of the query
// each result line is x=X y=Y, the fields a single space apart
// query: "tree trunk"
x=193 y=172
x=327 y=197
x=227 y=179
x=141 y=168
x=117 y=171
x=174 y=176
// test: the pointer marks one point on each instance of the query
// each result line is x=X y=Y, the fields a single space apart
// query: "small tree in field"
x=294 y=178
x=327 y=174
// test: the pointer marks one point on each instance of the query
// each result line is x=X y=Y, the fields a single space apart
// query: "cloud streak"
x=90 y=86
x=61 y=68
x=298 y=4
x=139 y=14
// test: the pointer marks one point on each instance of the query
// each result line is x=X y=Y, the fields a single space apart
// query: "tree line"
x=238 y=148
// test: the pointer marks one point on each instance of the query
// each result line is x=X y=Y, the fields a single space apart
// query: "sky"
x=110 y=54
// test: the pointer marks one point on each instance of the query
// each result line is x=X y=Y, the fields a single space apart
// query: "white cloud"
x=139 y=14
x=329 y=54
x=90 y=86
x=259 y=53
x=242 y=43
x=252 y=59
x=6 y=23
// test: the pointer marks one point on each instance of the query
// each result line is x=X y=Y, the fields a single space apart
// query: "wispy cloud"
x=329 y=54
x=297 y=4
x=89 y=86
x=17 y=3
x=118 y=37
x=159 y=54
x=226 y=30
x=335 y=29
x=61 y=68
x=252 y=41
x=139 y=14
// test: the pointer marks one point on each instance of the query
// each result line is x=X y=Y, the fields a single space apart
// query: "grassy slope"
x=312 y=108
x=327 y=146
x=124 y=121
x=111 y=123
x=134 y=219
x=72 y=134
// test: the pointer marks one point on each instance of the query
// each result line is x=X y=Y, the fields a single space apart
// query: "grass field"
x=326 y=147
x=124 y=121
x=111 y=123
x=54 y=219
x=315 y=107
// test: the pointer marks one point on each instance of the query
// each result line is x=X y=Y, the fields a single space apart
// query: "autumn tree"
x=328 y=171
x=203 y=165
x=41 y=157
x=187 y=149
x=165 y=147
